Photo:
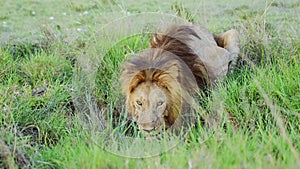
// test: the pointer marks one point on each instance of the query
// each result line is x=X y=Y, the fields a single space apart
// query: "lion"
x=161 y=81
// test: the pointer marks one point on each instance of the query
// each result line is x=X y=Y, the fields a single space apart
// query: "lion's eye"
x=160 y=103
x=138 y=102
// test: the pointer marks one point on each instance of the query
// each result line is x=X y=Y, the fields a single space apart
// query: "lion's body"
x=161 y=80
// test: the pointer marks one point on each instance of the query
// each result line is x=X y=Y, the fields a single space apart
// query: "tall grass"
x=252 y=119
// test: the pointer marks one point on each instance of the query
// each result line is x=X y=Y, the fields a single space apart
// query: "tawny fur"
x=184 y=59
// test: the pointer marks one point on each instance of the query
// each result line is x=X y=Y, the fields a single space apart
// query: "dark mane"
x=176 y=40
x=153 y=62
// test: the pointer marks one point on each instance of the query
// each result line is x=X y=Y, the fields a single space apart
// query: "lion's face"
x=148 y=103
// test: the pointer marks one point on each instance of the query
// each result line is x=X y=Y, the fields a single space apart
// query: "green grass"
x=61 y=105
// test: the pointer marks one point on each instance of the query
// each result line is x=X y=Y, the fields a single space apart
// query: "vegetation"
x=61 y=105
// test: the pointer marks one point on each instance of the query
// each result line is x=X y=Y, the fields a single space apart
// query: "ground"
x=59 y=67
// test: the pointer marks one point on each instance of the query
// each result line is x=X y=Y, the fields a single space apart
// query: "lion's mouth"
x=157 y=128
x=148 y=130
x=155 y=131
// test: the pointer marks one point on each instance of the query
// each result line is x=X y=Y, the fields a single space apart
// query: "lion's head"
x=148 y=103
x=154 y=87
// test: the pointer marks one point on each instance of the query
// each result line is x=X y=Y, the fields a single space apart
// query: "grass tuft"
x=50 y=117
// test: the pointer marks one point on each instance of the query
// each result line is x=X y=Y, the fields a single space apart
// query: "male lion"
x=160 y=82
